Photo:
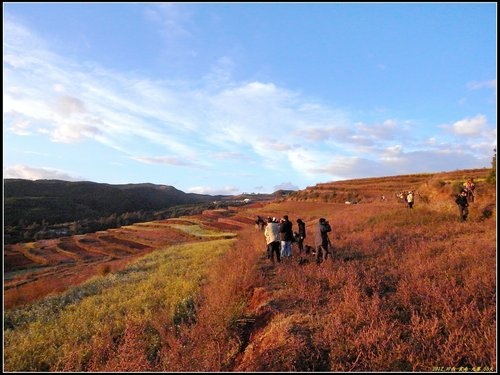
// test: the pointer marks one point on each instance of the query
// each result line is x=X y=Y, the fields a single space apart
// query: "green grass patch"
x=198 y=231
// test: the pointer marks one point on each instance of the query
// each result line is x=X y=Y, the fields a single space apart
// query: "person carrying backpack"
x=463 y=204
x=321 y=240
x=286 y=237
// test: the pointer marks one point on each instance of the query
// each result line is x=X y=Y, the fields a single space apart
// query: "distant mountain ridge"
x=58 y=201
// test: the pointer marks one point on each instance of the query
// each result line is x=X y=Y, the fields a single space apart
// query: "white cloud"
x=341 y=167
x=31 y=173
x=392 y=153
x=66 y=105
x=68 y=132
x=470 y=126
x=226 y=190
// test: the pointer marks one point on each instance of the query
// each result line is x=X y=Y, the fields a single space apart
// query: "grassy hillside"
x=406 y=290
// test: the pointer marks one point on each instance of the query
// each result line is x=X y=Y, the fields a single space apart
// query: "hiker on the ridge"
x=321 y=240
x=463 y=204
x=301 y=235
x=286 y=237
x=272 y=233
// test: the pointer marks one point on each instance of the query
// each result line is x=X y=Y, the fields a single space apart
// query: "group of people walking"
x=280 y=236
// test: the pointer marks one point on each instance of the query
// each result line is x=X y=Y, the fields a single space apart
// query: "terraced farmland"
x=33 y=270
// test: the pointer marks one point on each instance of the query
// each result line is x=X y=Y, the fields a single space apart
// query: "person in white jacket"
x=272 y=233
x=410 y=199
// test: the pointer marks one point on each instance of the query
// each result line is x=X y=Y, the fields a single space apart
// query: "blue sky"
x=225 y=98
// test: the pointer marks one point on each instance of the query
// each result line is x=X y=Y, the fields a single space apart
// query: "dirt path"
x=277 y=330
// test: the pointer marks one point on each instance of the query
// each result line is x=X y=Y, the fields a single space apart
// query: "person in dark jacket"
x=321 y=240
x=463 y=204
x=301 y=235
x=286 y=237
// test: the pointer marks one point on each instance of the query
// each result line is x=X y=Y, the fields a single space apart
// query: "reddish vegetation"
x=78 y=252
x=14 y=258
x=124 y=243
x=406 y=290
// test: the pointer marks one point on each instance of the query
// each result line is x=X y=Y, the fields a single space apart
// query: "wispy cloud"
x=188 y=124
x=172 y=19
x=475 y=85
x=163 y=160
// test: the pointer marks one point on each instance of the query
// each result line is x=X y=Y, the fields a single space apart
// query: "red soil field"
x=51 y=266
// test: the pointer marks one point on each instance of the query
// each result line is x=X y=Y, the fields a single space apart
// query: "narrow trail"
x=259 y=313
x=277 y=330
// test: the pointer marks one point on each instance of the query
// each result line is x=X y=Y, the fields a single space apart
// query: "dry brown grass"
x=214 y=340
x=407 y=290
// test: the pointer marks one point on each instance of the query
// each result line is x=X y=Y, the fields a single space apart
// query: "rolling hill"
x=58 y=201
